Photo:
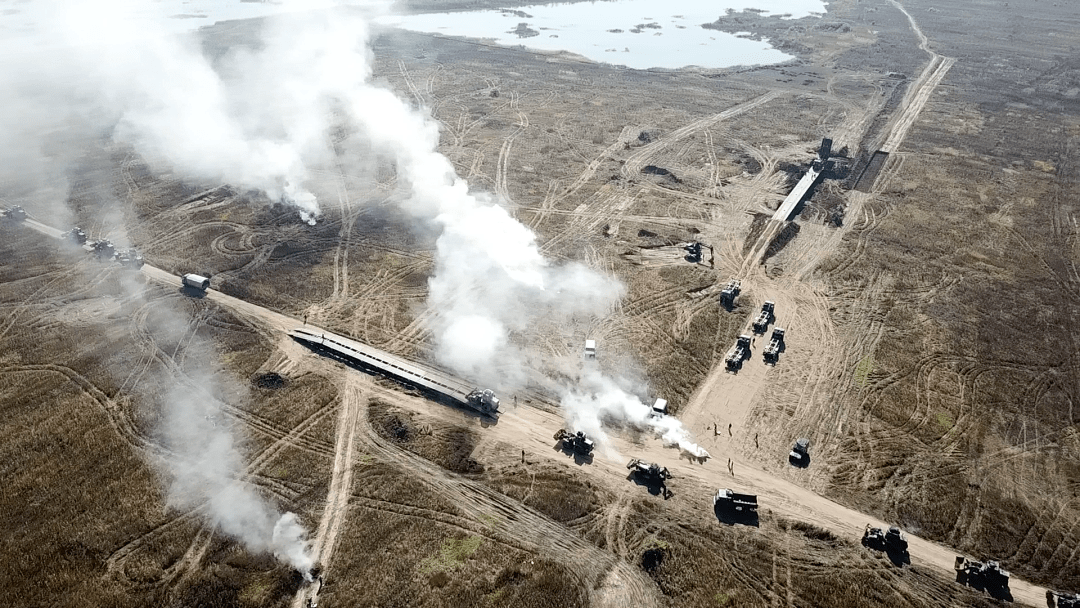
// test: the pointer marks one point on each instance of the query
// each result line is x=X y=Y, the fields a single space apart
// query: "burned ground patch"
x=450 y=447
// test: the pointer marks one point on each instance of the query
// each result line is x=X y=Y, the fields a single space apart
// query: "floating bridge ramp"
x=350 y=351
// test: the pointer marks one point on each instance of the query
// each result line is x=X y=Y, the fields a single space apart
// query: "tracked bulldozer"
x=578 y=442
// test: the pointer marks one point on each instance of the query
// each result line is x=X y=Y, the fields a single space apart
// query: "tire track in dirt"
x=337 y=498
x=642 y=157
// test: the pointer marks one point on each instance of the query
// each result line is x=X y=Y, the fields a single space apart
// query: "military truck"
x=196 y=282
x=729 y=293
x=650 y=474
x=738 y=354
x=693 y=252
x=776 y=344
x=129 y=258
x=590 y=349
x=102 y=249
x=579 y=443
x=764 y=318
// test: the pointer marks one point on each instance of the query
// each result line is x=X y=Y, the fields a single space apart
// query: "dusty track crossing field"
x=929 y=353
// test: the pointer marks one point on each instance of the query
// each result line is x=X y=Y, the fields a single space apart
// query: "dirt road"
x=532 y=427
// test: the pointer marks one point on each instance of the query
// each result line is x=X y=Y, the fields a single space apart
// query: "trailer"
x=196 y=281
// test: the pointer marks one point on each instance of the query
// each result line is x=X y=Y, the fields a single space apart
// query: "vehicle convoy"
x=776 y=344
x=761 y=323
x=892 y=541
x=734 y=502
x=650 y=474
x=578 y=442
x=196 y=281
x=800 y=453
x=738 y=354
x=729 y=293
x=988 y=576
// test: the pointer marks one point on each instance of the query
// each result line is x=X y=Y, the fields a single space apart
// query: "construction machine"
x=579 y=443
x=75 y=236
x=14 y=214
x=800 y=453
x=103 y=249
x=693 y=252
x=129 y=258
x=729 y=293
x=650 y=474
x=761 y=323
x=988 y=576
x=738 y=354
x=776 y=344
x=483 y=401
x=892 y=541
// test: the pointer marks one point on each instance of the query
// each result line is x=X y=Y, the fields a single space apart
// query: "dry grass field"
x=931 y=355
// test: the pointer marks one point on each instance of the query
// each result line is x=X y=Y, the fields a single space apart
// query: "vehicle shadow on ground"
x=192 y=292
x=656 y=488
x=999 y=593
x=579 y=459
x=728 y=515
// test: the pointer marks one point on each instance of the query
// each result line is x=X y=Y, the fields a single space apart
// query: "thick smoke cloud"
x=267 y=118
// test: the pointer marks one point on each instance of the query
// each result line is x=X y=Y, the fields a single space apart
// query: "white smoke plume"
x=261 y=118
x=598 y=398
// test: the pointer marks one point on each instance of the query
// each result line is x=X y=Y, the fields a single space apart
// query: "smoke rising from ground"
x=265 y=118
x=597 y=398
